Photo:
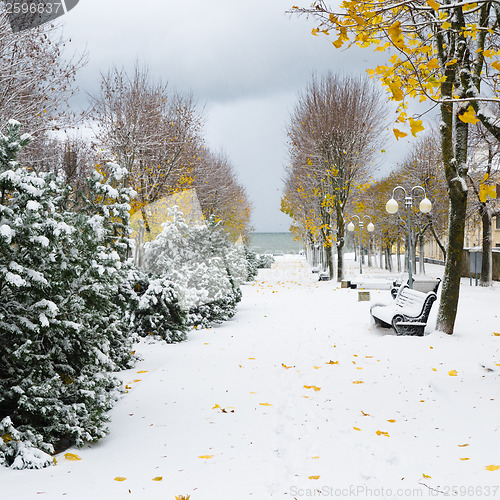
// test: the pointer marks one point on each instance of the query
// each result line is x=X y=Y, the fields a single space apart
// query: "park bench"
x=428 y=285
x=407 y=314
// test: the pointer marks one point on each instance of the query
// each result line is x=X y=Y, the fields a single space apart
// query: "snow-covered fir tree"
x=63 y=330
x=205 y=268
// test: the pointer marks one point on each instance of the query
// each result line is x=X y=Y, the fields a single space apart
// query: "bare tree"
x=334 y=132
x=154 y=133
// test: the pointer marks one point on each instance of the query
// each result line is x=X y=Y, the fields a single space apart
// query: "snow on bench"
x=408 y=314
x=428 y=285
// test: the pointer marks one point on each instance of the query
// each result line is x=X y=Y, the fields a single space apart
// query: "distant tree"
x=154 y=133
x=335 y=129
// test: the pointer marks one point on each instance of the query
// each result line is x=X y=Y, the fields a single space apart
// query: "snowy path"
x=315 y=399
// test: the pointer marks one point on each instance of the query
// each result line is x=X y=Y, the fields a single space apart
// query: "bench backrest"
x=411 y=301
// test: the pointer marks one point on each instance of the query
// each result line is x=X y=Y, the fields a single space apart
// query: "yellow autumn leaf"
x=496 y=65
x=446 y=25
x=452 y=373
x=357 y=382
x=433 y=63
x=265 y=404
x=469 y=116
x=391 y=420
x=425 y=476
x=159 y=478
x=7 y=438
x=382 y=433
x=71 y=456
x=356 y=428
x=399 y=134
x=137 y=380
x=415 y=127
x=314 y=458
x=285 y=366
x=338 y=43
x=316 y=367
x=365 y=414
x=492 y=467
x=251 y=358
x=463 y=459
x=206 y=457
x=433 y=4
x=314 y=477
x=332 y=362
x=182 y=497
x=496 y=334
x=143 y=371
x=463 y=445
x=315 y=31
x=397 y=93
x=316 y=389
x=119 y=478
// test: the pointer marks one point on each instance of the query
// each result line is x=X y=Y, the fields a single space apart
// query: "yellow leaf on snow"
x=365 y=414
x=285 y=366
x=71 y=456
x=391 y=420
x=159 y=478
x=265 y=404
x=206 y=456
x=314 y=477
x=452 y=373
x=312 y=387
x=335 y=362
x=492 y=467
x=465 y=459
x=143 y=371
x=357 y=382
x=356 y=428
x=382 y=433
x=463 y=445
x=119 y=478
x=425 y=476
x=496 y=334
x=469 y=116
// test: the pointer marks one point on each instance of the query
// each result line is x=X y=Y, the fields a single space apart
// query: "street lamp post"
x=370 y=227
x=425 y=207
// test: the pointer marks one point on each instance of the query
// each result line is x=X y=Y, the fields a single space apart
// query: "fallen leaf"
x=365 y=414
x=316 y=389
x=391 y=421
x=382 y=433
x=452 y=373
x=71 y=456
x=251 y=358
x=496 y=334
x=287 y=367
x=137 y=380
x=426 y=476
x=119 y=478
x=492 y=467
x=314 y=458
x=356 y=428
x=143 y=371
x=465 y=459
x=316 y=367
x=332 y=363
x=313 y=477
x=358 y=382
x=159 y=478
x=463 y=445
x=265 y=404
x=206 y=456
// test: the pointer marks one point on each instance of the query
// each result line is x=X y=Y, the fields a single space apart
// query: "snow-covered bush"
x=252 y=264
x=205 y=268
x=265 y=261
x=63 y=330
x=155 y=308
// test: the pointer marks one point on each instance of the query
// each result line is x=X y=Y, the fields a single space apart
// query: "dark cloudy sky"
x=244 y=60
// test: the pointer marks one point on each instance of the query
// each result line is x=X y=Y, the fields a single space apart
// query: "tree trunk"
x=340 y=246
x=398 y=254
x=455 y=164
x=329 y=261
x=487 y=258
x=381 y=251
x=421 y=266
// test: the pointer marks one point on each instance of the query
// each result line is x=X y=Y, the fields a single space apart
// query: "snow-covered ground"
x=299 y=396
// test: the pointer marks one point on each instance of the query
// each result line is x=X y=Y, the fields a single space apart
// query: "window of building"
x=497 y=224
